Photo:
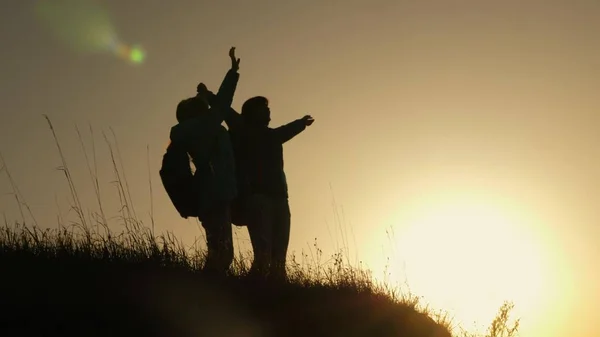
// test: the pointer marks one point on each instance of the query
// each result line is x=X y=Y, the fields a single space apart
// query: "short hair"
x=249 y=107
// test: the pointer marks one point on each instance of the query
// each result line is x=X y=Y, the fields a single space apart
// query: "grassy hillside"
x=80 y=283
x=85 y=280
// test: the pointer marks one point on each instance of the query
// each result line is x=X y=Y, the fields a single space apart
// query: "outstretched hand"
x=235 y=62
x=308 y=120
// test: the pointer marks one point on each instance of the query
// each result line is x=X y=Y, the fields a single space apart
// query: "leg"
x=260 y=227
x=217 y=225
x=281 y=237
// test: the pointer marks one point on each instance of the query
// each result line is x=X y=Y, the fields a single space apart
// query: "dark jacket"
x=207 y=141
x=259 y=157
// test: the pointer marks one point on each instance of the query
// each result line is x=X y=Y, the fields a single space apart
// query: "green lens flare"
x=86 y=26
x=137 y=55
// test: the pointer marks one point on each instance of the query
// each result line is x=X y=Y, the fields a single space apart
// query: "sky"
x=454 y=145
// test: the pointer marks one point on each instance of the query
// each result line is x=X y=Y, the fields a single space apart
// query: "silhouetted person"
x=201 y=132
x=262 y=185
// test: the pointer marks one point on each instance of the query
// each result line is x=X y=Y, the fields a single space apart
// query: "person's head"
x=193 y=107
x=190 y=108
x=255 y=111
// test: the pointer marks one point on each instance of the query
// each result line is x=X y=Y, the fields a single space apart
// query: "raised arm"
x=291 y=130
x=221 y=111
x=224 y=98
x=229 y=84
x=226 y=112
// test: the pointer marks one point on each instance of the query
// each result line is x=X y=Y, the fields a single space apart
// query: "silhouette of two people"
x=239 y=173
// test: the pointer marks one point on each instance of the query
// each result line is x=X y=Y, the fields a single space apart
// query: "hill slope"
x=58 y=283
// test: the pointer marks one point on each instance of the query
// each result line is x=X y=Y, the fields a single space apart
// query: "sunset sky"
x=459 y=139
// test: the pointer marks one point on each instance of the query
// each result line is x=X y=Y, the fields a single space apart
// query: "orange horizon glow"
x=470 y=128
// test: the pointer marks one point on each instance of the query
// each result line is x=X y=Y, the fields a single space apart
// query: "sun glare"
x=469 y=257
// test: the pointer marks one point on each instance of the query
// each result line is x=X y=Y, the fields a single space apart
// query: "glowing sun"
x=468 y=257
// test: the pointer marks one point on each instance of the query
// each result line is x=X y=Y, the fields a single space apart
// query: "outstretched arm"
x=291 y=130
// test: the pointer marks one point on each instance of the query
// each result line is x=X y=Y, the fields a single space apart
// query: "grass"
x=85 y=280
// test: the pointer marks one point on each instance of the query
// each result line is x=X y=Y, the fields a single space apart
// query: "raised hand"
x=308 y=120
x=201 y=88
x=203 y=92
x=235 y=63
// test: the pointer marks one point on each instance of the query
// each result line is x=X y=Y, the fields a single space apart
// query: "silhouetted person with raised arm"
x=201 y=133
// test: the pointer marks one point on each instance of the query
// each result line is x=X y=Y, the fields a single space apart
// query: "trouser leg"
x=217 y=225
x=260 y=230
x=281 y=236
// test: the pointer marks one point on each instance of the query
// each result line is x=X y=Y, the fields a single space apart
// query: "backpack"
x=179 y=182
x=178 y=179
x=190 y=190
x=193 y=193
